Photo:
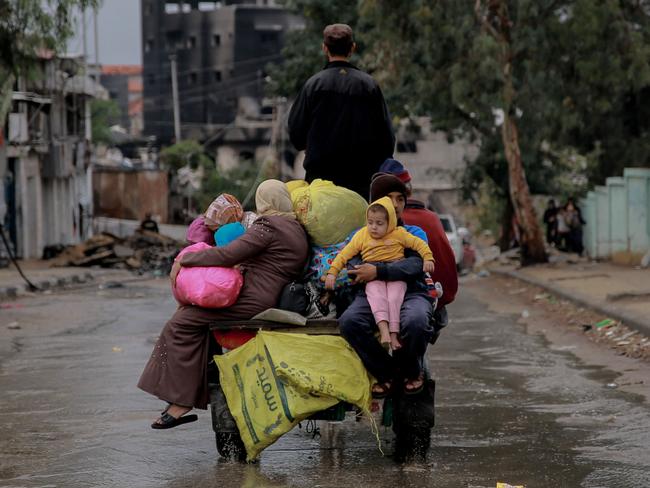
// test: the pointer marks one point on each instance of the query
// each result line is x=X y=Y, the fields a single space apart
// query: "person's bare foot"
x=384 y=334
x=395 y=344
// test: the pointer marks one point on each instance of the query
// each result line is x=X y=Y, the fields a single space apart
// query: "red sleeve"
x=445 y=271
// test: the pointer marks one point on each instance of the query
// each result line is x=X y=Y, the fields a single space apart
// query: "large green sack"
x=328 y=212
x=278 y=379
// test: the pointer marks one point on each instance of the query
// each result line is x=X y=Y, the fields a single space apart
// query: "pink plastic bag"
x=207 y=287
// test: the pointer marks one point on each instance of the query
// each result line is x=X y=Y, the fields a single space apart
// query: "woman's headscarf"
x=225 y=209
x=272 y=198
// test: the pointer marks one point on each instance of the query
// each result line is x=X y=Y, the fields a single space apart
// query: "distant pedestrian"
x=149 y=224
x=574 y=222
x=550 y=219
x=340 y=118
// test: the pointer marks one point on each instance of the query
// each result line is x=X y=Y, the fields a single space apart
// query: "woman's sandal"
x=166 y=421
x=415 y=386
x=381 y=390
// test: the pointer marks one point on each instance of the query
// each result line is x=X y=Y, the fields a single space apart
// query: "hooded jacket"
x=388 y=248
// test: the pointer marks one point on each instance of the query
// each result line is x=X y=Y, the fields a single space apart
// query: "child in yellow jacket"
x=382 y=241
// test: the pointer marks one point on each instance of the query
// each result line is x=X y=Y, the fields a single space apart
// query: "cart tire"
x=413 y=419
x=230 y=446
x=412 y=445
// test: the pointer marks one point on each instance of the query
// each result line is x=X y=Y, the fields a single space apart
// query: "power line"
x=167 y=64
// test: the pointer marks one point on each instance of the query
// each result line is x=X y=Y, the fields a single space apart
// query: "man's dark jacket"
x=341 y=120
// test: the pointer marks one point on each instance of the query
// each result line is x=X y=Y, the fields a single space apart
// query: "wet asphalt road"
x=508 y=409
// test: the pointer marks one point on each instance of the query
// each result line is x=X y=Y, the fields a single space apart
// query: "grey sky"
x=119 y=33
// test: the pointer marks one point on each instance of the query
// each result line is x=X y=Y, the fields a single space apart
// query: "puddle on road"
x=508 y=409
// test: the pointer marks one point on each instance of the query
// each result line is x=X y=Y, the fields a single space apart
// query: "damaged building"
x=221 y=50
x=46 y=197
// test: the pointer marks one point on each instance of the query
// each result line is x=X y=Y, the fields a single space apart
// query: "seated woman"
x=271 y=253
x=225 y=209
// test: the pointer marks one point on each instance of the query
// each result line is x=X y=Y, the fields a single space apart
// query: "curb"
x=630 y=321
x=14 y=292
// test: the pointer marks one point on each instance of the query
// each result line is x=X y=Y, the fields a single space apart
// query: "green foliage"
x=302 y=53
x=104 y=114
x=185 y=153
x=239 y=182
x=581 y=71
x=30 y=26
x=29 y=29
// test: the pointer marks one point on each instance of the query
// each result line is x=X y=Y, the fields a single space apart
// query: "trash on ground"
x=525 y=314
x=611 y=385
x=13 y=326
x=506 y=485
x=603 y=324
x=117 y=349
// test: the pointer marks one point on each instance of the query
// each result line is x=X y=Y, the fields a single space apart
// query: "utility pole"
x=87 y=122
x=177 y=115
x=97 y=73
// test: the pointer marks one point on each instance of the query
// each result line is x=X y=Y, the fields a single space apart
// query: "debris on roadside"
x=603 y=330
x=141 y=252
x=14 y=326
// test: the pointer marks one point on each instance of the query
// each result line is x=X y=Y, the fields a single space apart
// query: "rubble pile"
x=144 y=251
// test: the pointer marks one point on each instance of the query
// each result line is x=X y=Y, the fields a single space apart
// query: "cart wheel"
x=412 y=445
x=230 y=446
x=413 y=419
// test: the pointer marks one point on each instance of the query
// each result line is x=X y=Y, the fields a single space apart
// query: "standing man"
x=340 y=118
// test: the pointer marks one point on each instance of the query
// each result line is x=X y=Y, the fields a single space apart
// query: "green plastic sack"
x=278 y=379
x=328 y=212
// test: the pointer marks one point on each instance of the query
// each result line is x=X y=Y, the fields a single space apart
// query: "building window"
x=268 y=37
x=148 y=10
x=217 y=76
x=193 y=78
x=191 y=42
x=148 y=46
x=216 y=40
x=151 y=79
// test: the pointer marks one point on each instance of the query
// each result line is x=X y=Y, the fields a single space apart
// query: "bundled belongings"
x=322 y=258
x=278 y=379
x=328 y=212
x=208 y=287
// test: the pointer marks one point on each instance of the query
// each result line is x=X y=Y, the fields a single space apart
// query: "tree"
x=538 y=78
x=27 y=28
x=104 y=114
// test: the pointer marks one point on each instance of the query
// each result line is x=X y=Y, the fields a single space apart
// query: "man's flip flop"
x=167 y=421
x=414 y=390
x=381 y=390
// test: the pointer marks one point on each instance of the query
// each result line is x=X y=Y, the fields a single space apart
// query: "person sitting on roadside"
x=149 y=224
x=272 y=252
x=357 y=323
x=416 y=214
x=381 y=241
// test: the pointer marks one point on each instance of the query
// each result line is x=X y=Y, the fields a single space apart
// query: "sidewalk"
x=13 y=286
x=620 y=292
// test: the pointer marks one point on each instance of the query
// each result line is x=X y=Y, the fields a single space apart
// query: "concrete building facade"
x=221 y=50
x=45 y=159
